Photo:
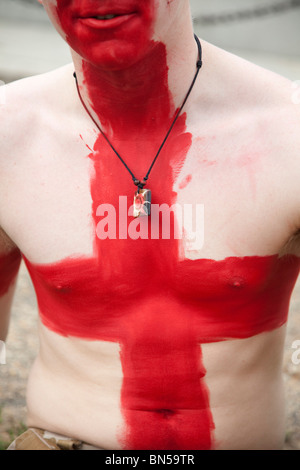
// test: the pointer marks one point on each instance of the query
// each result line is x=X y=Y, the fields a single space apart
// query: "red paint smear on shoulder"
x=9 y=266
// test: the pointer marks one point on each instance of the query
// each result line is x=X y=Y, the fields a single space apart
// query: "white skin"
x=42 y=168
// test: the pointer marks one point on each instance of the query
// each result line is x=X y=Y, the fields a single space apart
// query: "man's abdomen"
x=76 y=388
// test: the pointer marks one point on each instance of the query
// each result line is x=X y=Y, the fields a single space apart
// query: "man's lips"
x=105 y=17
x=107 y=20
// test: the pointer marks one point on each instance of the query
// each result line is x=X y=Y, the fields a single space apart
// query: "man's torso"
x=158 y=342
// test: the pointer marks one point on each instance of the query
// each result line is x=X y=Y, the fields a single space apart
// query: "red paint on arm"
x=9 y=266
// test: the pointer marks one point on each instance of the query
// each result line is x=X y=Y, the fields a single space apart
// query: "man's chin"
x=112 y=59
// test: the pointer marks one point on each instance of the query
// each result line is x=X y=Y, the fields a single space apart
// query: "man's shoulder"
x=255 y=96
x=246 y=82
x=266 y=107
x=25 y=105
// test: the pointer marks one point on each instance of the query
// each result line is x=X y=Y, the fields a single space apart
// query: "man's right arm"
x=10 y=256
x=10 y=259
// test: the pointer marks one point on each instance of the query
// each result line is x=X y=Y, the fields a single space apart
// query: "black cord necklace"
x=142 y=197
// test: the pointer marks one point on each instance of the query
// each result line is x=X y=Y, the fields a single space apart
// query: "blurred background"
x=265 y=32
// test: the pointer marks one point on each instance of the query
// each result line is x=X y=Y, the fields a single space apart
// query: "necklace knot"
x=139 y=184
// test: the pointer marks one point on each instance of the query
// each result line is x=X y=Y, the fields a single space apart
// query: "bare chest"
x=215 y=194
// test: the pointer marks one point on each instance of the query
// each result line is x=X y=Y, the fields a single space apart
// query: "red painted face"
x=112 y=34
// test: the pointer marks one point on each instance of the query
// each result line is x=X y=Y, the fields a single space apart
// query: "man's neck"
x=135 y=100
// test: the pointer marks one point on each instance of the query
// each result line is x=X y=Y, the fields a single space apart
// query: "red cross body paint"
x=160 y=329
x=138 y=293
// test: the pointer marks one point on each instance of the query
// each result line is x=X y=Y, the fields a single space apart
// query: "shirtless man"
x=152 y=343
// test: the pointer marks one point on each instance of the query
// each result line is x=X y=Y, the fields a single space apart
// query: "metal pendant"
x=142 y=202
